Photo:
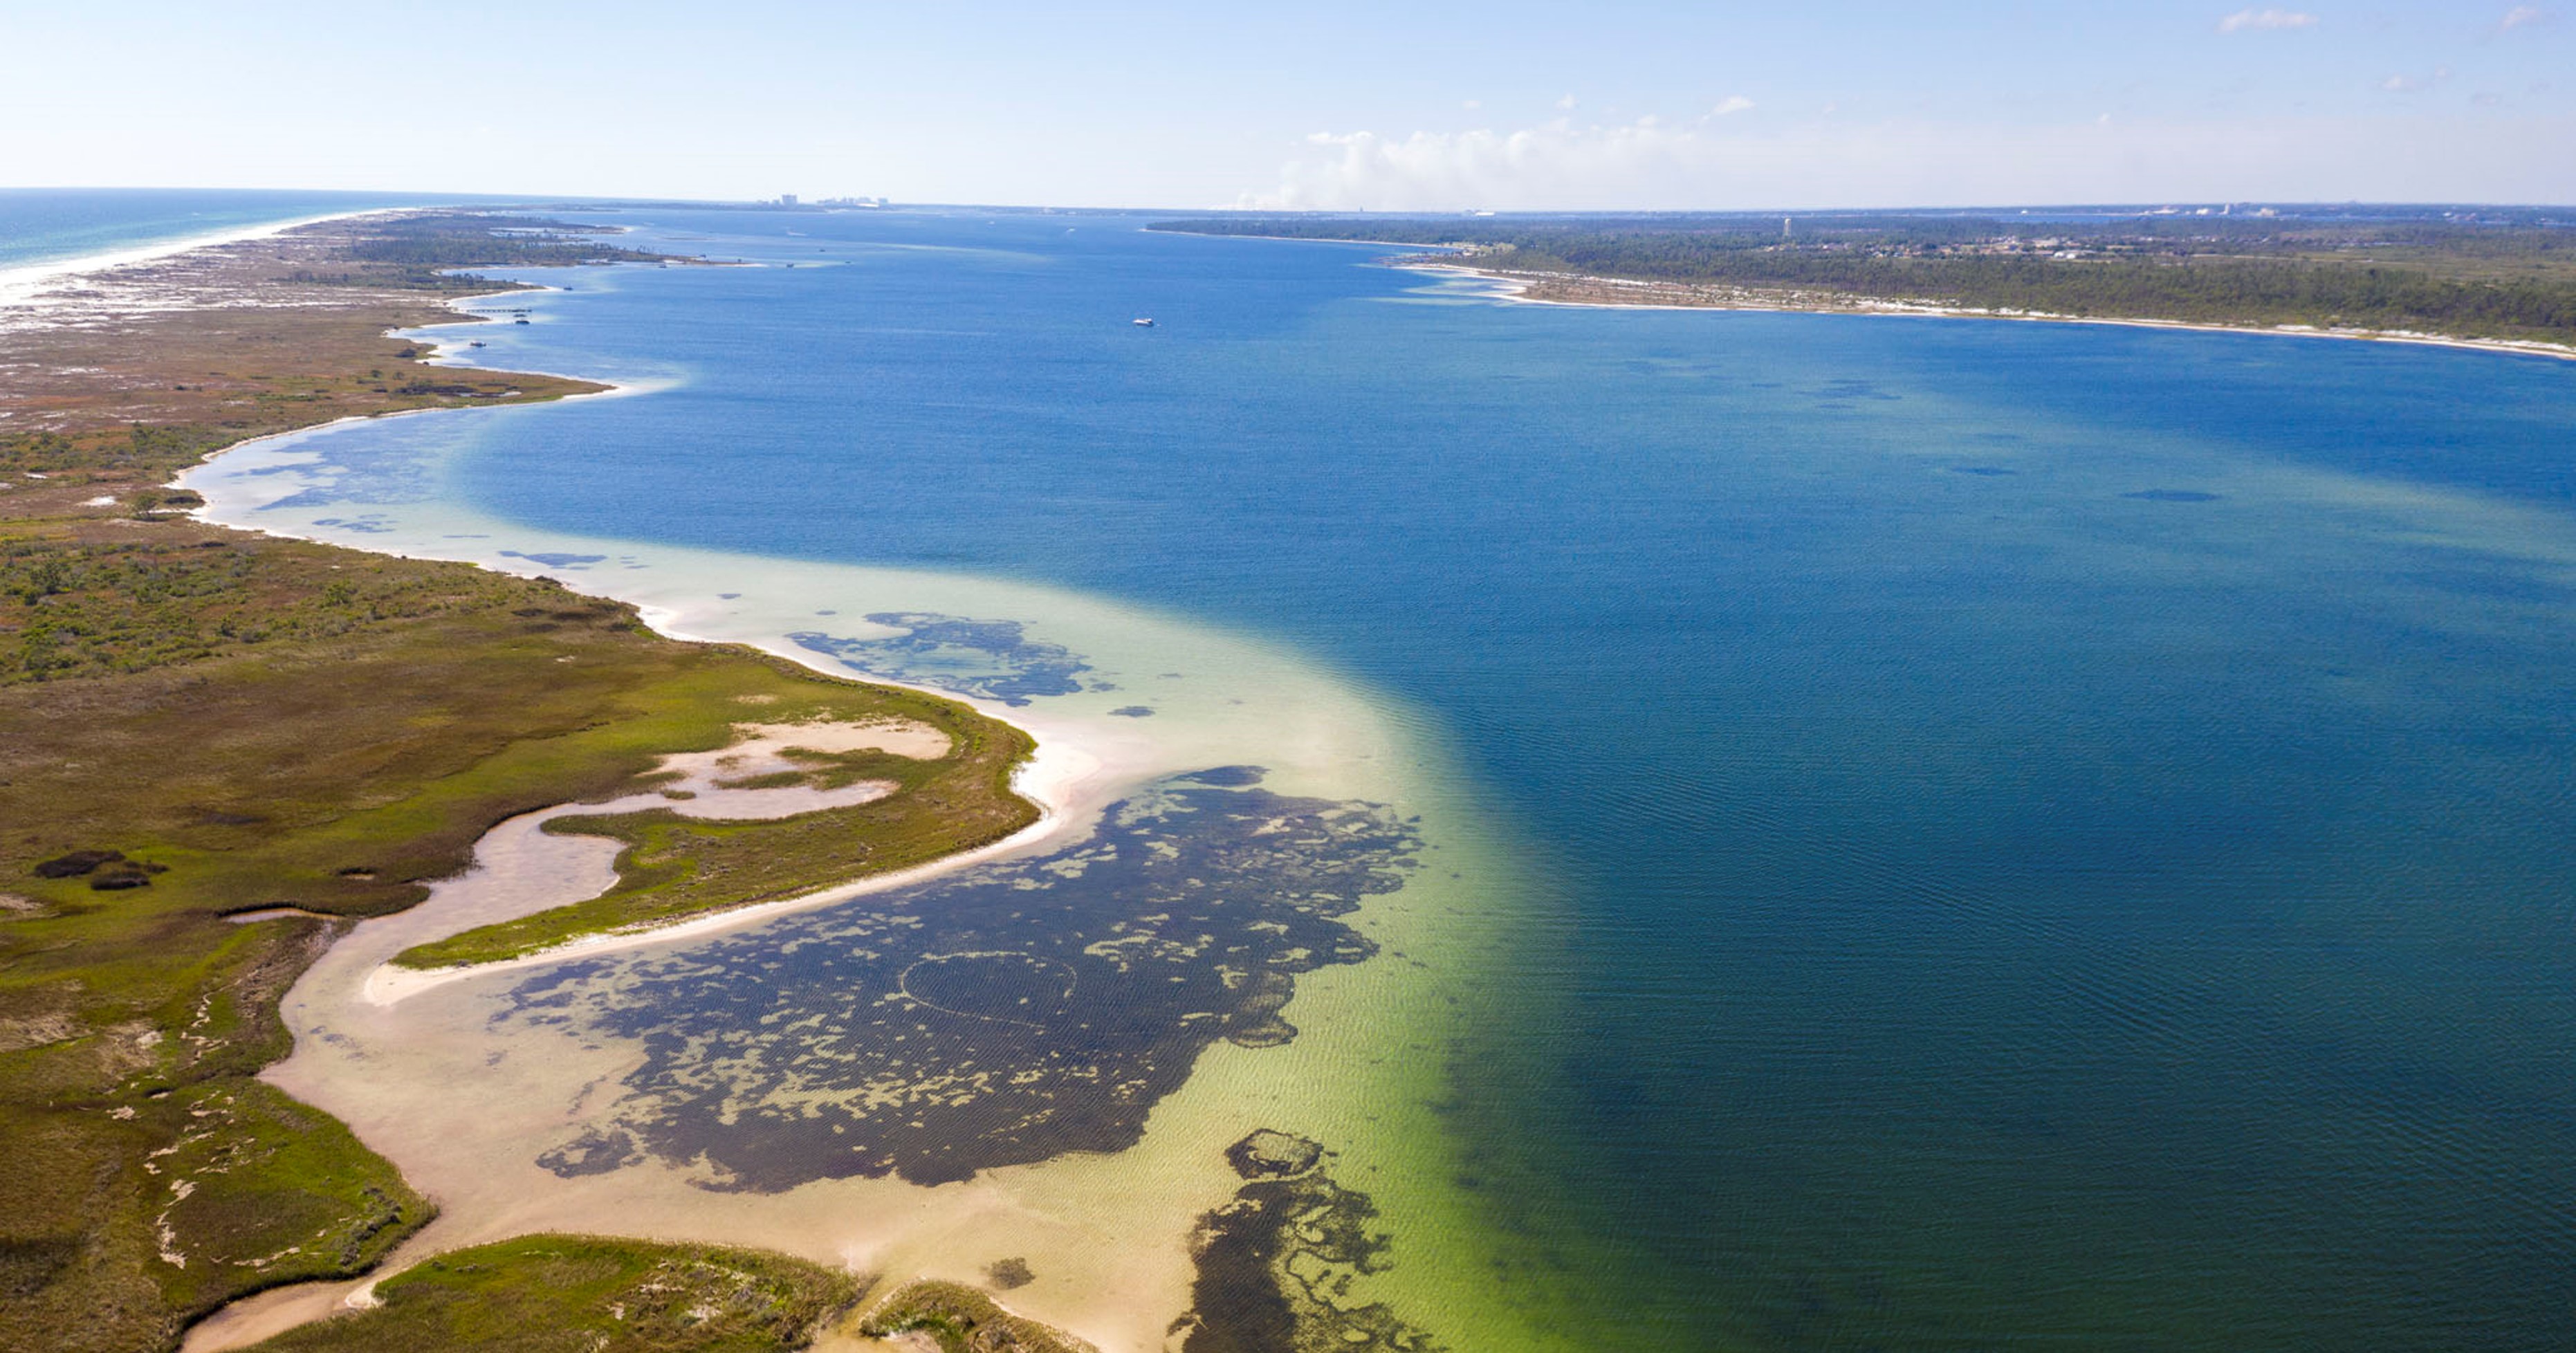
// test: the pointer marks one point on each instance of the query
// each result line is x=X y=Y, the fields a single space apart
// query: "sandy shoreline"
x=1515 y=287
x=1062 y=778
x=1066 y=782
x=1109 y=1287
x=1108 y=1233
x=1048 y=778
x=27 y=283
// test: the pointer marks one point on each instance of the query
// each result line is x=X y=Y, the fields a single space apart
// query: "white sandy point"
x=27 y=282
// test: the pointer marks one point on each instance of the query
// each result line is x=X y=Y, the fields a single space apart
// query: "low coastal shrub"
x=588 y=1294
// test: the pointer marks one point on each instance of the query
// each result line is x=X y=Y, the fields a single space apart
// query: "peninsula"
x=219 y=750
x=2488 y=277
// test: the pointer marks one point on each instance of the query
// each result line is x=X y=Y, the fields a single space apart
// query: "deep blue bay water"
x=2051 y=835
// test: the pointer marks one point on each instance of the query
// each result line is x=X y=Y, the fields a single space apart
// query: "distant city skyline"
x=1329 y=105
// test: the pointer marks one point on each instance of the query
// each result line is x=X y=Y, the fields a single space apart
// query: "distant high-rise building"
x=787 y=199
x=1785 y=231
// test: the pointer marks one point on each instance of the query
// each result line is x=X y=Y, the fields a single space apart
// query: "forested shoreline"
x=2513 y=277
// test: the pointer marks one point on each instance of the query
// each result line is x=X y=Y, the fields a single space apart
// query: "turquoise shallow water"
x=2053 y=835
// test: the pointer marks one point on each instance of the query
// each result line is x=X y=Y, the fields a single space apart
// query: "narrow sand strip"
x=27 y=283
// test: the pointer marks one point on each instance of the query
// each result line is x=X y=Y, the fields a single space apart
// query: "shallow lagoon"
x=2019 y=832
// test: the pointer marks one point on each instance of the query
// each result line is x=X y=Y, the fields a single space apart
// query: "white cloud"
x=2269 y=20
x=2521 y=16
x=1566 y=103
x=1472 y=105
x=1712 y=164
x=1731 y=105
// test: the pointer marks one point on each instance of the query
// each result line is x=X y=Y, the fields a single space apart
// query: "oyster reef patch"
x=1001 y=1016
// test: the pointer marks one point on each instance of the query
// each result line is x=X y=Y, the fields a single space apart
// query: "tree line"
x=2240 y=271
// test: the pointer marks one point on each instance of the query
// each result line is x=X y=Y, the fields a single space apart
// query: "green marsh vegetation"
x=583 y=1294
x=674 y=866
x=198 y=723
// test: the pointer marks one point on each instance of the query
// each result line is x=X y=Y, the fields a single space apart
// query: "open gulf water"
x=49 y=225
x=2038 y=835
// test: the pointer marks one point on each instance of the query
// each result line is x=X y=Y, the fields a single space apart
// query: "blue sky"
x=1319 y=104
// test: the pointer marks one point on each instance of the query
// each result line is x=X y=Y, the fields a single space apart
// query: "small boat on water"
x=1142 y=323
x=475 y=344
